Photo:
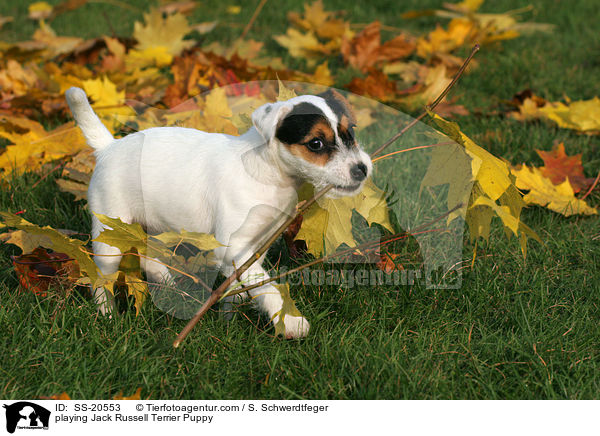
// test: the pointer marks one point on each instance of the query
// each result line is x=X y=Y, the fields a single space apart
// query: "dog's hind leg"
x=107 y=259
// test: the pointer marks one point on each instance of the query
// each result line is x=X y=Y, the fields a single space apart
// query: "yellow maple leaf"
x=107 y=101
x=287 y=308
x=305 y=45
x=322 y=75
x=583 y=115
x=435 y=82
x=159 y=31
x=493 y=173
x=34 y=147
x=328 y=224
x=445 y=41
x=157 y=56
x=493 y=184
x=559 y=198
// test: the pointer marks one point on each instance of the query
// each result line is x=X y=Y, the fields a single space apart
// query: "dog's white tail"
x=96 y=134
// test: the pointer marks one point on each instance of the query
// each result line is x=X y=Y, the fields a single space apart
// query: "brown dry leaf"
x=115 y=61
x=134 y=396
x=63 y=397
x=55 y=45
x=17 y=80
x=558 y=167
x=187 y=80
x=388 y=263
x=39 y=270
x=375 y=85
x=365 y=49
x=77 y=173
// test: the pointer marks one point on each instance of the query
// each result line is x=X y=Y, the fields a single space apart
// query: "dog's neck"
x=262 y=162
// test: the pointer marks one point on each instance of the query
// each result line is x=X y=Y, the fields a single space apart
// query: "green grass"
x=515 y=329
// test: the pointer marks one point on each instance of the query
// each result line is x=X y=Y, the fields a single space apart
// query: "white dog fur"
x=237 y=188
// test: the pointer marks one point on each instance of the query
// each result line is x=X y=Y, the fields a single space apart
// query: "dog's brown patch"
x=319 y=159
x=321 y=130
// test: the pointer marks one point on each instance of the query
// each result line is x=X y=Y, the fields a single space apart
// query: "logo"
x=26 y=415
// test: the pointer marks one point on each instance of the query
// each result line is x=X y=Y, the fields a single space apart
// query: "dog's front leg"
x=268 y=300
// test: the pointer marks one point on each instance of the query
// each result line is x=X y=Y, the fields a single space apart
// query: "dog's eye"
x=315 y=144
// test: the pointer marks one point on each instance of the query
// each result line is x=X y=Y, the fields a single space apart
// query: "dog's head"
x=313 y=137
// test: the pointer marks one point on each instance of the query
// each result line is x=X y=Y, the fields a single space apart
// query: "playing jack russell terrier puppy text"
x=237 y=188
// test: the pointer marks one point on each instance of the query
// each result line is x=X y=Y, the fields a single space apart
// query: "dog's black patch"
x=341 y=109
x=333 y=100
x=300 y=124
x=347 y=136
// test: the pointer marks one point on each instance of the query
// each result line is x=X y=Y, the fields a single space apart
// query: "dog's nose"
x=358 y=172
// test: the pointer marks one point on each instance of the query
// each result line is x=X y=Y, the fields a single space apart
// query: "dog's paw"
x=296 y=327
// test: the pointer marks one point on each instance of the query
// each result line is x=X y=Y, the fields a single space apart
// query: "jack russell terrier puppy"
x=238 y=188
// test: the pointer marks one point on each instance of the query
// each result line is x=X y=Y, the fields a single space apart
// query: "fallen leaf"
x=375 y=85
x=288 y=307
x=39 y=10
x=328 y=224
x=558 y=167
x=388 y=263
x=53 y=239
x=135 y=396
x=159 y=31
x=33 y=146
x=558 y=198
x=492 y=184
x=39 y=270
x=582 y=115
x=365 y=49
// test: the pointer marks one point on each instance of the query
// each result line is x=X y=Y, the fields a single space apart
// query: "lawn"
x=516 y=329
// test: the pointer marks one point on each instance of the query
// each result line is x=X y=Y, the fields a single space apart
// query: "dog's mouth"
x=348 y=188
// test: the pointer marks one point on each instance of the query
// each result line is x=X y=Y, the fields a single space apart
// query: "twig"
x=248 y=26
x=591 y=187
x=46 y=175
x=217 y=293
x=431 y=106
x=420 y=147
x=365 y=245
x=109 y=23
x=253 y=19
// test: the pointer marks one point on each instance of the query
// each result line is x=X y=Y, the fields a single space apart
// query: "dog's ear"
x=267 y=117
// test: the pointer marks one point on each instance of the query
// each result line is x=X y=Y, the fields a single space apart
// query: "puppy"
x=236 y=188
